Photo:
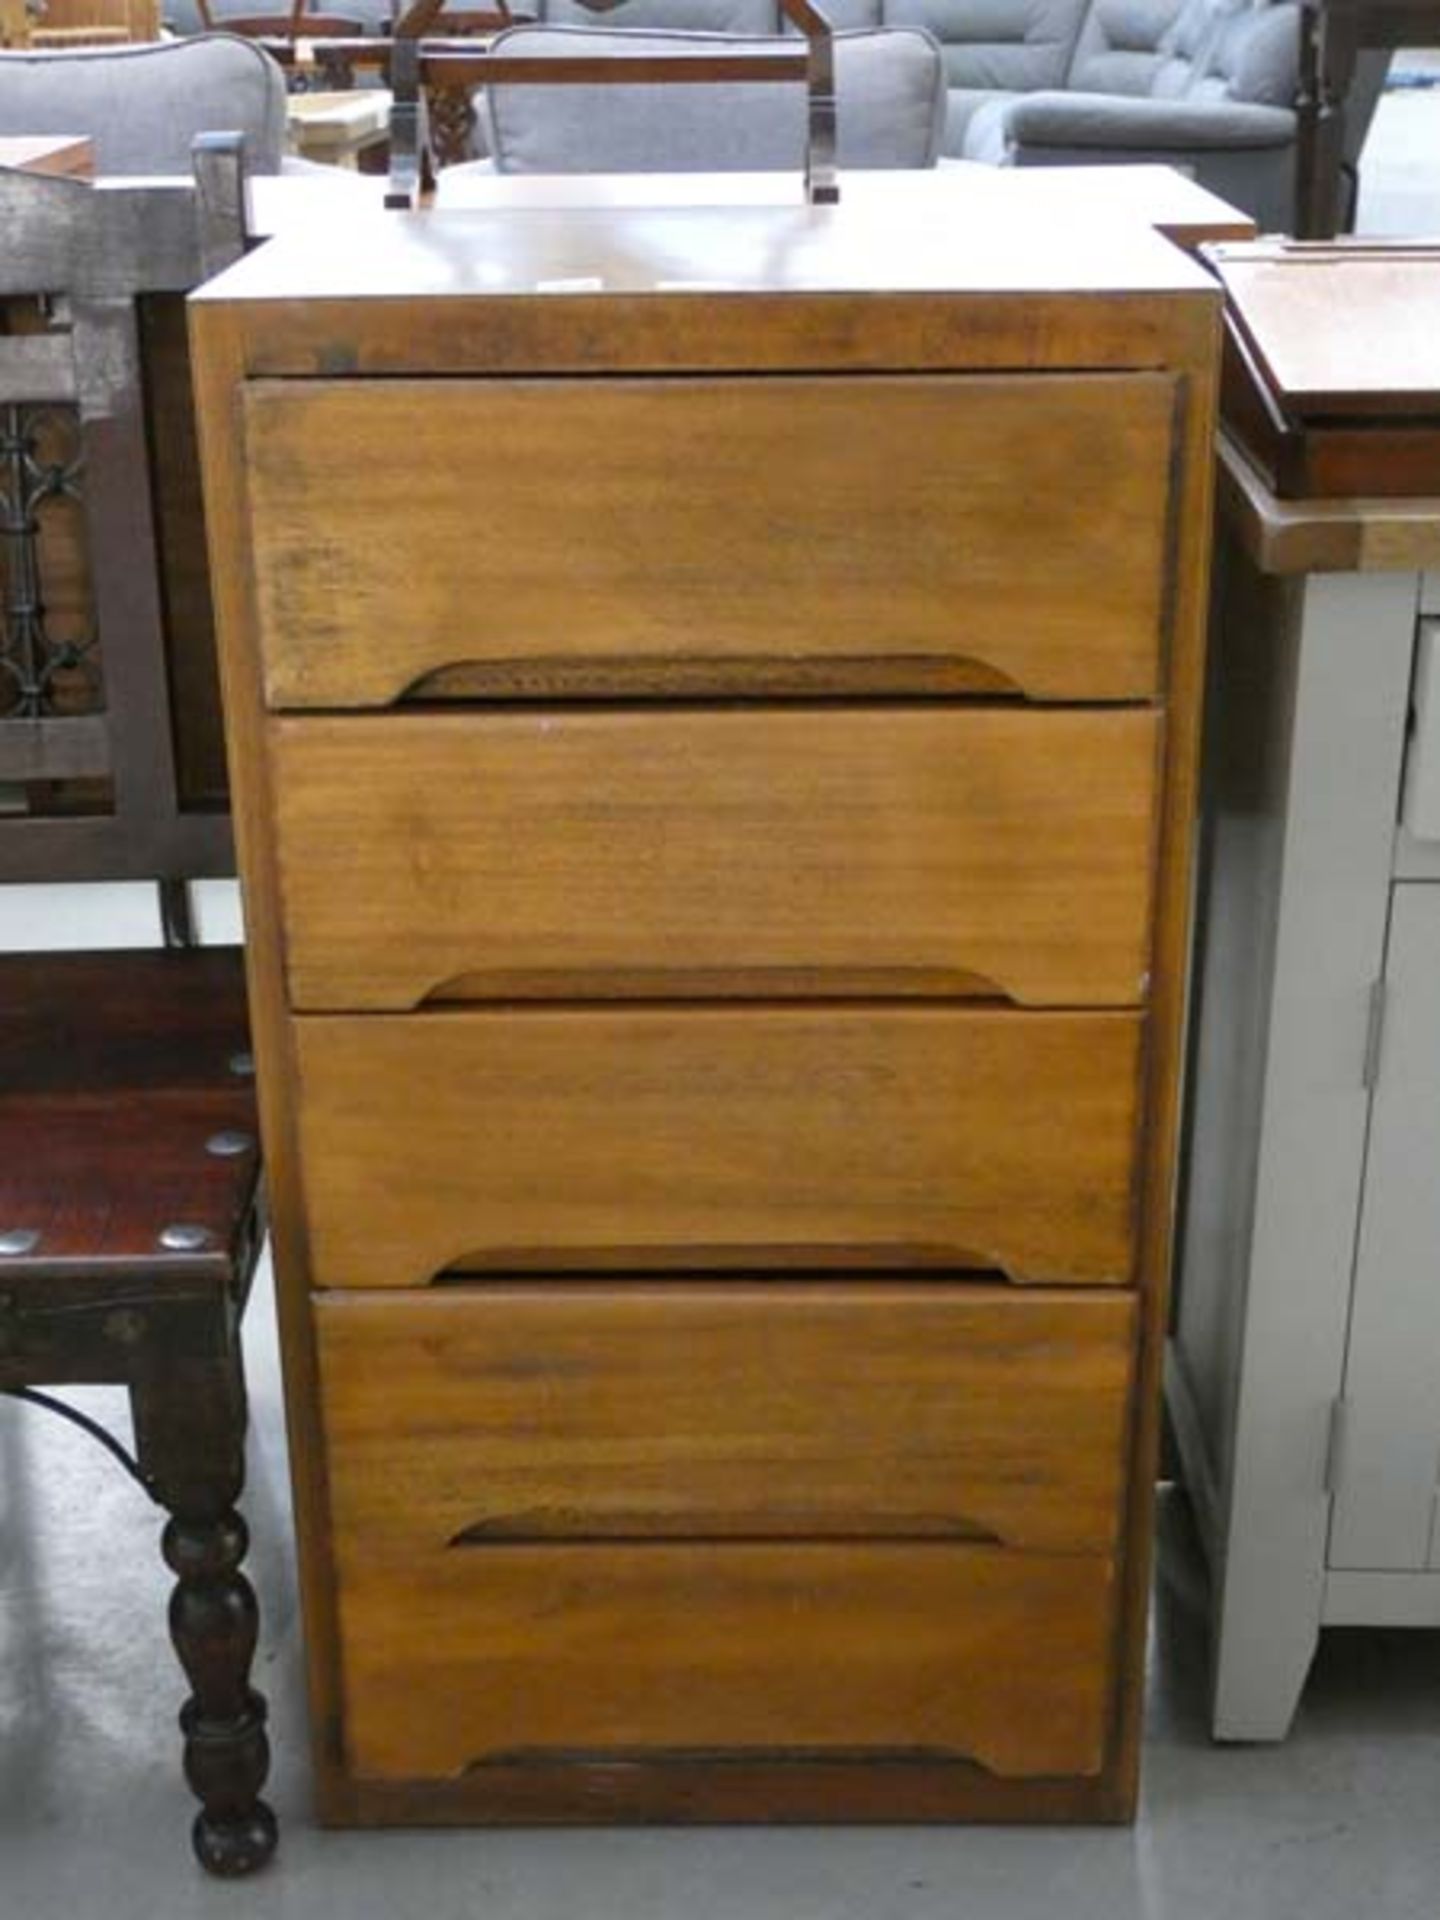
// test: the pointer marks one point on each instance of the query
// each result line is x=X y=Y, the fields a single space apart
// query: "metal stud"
x=242 y=1065
x=19 y=1240
x=125 y=1327
x=184 y=1238
x=230 y=1144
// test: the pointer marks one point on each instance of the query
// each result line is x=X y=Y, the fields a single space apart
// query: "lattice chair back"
x=110 y=742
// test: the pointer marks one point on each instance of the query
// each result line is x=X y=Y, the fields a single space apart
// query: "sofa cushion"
x=985 y=136
x=889 y=91
x=961 y=109
x=1258 y=56
x=679 y=16
x=1121 y=46
x=144 y=105
x=1193 y=49
x=998 y=44
x=846 y=16
x=1100 y=122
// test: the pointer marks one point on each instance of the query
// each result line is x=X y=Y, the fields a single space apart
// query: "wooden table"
x=70 y=154
x=1332 y=35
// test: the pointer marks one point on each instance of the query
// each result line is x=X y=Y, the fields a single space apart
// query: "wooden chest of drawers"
x=713 y=704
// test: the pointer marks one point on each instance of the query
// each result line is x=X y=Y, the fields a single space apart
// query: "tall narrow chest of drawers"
x=712 y=704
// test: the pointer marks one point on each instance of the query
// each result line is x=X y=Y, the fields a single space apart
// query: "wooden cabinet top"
x=600 y=289
x=799 y=249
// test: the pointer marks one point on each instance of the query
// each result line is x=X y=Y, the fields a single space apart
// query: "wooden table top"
x=874 y=241
x=64 y=153
x=1155 y=195
x=1341 y=327
x=1147 y=196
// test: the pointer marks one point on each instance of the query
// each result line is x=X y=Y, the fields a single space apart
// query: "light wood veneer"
x=715 y=522
x=714 y=772
x=684 y=1409
x=867 y=1135
x=722 y=852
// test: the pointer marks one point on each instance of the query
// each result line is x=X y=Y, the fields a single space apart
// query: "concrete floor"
x=1338 y=1824
x=1341 y=1823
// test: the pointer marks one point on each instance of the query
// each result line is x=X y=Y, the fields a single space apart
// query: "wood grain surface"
x=821 y=851
x=859 y=1135
x=738 y=1410
x=901 y=1139
x=466 y=1655
x=707 y=523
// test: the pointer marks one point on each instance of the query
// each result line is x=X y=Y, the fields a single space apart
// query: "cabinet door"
x=1384 y=1507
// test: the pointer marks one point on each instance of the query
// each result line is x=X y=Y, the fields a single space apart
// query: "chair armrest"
x=1102 y=120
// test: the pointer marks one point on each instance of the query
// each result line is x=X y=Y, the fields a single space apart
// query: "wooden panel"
x=902 y=851
x=739 y=1410
x=690 y=1790
x=873 y=1136
x=458 y=1656
x=819 y=533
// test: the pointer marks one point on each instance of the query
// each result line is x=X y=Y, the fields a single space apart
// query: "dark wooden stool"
x=130 y=1210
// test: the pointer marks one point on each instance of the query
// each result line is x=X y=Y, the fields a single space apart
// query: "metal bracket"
x=822 y=185
x=410 y=54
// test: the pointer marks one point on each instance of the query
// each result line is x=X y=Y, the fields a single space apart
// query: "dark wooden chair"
x=130 y=1194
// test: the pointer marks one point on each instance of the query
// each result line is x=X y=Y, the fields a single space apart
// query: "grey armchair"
x=890 y=95
x=144 y=105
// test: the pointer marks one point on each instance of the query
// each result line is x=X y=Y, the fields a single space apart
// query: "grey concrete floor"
x=1340 y=1823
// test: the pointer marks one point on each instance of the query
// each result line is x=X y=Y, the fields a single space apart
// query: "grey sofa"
x=1204 y=85
x=144 y=105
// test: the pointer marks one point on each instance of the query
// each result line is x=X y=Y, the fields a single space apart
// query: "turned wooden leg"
x=190 y=1439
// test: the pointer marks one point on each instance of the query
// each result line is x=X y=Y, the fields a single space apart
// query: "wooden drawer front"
x=1005 y=533
x=726 y=1411
x=938 y=851
x=462 y=1655
x=874 y=1136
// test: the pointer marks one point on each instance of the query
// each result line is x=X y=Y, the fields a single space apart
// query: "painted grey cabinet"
x=1303 y=1375
x=1388 y=1443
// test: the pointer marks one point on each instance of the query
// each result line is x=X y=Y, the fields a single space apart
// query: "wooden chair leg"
x=190 y=1442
